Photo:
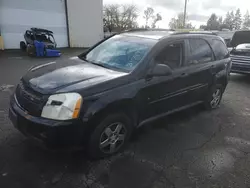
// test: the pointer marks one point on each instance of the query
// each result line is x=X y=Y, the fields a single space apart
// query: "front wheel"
x=110 y=136
x=214 y=97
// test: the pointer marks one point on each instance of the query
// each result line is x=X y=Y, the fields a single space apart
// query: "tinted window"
x=220 y=49
x=200 y=51
x=171 y=56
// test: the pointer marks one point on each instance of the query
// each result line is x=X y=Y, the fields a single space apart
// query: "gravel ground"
x=193 y=148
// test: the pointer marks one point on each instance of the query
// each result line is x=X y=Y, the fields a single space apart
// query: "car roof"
x=39 y=30
x=159 y=34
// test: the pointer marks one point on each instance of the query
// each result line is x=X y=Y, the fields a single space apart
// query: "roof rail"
x=40 y=30
x=147 y=29
x=195 y=32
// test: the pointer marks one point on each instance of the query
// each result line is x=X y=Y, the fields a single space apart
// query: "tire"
x=23 y=46
x=110 y=136
x=31 y=50
x=44 y=52
x=214 y=97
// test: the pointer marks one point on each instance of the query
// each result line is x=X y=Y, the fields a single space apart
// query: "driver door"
x=162 y=94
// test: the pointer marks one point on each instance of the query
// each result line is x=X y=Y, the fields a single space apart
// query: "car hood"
x=243 y=47
x=53 y=76
x=240 y=37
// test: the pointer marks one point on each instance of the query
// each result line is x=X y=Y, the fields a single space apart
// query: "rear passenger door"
x=199 y=64
x=223 y=60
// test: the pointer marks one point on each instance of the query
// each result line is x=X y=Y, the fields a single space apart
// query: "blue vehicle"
x=39 y=42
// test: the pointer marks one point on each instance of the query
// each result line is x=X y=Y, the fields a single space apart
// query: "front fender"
x=121 y=96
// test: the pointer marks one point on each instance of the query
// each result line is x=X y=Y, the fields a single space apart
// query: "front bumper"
x=240 y=68
x=52 y=133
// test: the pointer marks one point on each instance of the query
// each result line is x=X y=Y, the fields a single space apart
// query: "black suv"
x=96 y=100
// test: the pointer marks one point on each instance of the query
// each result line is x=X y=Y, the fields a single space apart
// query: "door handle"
x=148 y=78
x=212 y=69
x=183 y=75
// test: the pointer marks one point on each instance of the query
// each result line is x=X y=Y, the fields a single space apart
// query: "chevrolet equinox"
x=97 y=99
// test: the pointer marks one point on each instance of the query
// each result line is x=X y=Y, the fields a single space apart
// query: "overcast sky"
x=198 y=10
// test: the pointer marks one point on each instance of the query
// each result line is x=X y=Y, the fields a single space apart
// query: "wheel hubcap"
x=112 y=138
x=216 y=98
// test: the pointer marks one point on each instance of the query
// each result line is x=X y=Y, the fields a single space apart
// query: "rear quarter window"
x=220 y=49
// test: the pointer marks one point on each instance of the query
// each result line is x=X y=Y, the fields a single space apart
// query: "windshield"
x=120 y=52
x=226 y=34
x=45 y=37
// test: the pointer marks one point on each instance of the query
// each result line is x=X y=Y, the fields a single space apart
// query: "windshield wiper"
x=100 y=65
x=105 y=65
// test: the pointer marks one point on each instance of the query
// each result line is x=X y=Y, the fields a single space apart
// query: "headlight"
x=62 y=106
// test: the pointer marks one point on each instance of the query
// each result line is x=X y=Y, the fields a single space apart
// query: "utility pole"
x=185 y=14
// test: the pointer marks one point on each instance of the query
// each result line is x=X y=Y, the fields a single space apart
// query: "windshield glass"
x=45 y=37
x=120 y=52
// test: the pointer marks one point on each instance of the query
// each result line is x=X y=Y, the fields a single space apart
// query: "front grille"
x=240 y=59
x=30 y=100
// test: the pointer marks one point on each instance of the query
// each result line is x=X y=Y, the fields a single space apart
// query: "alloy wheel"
x=216 y=97
x=112 y=138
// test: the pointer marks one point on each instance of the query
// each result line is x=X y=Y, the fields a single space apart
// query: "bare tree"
x=120 y=17
x=129 y=15
x=177 y=23
x=157 y=18
x=110 y=13
x=148 y=14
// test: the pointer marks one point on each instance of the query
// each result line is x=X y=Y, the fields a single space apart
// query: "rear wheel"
x=214 y=97
x=23 y=46
x=110 y=136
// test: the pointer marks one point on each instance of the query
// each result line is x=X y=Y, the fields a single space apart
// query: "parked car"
x=120 y=84
x=227 y=36
x=240 y=53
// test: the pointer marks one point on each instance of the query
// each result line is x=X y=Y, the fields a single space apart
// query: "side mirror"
x=228 y=42
x=161 y=70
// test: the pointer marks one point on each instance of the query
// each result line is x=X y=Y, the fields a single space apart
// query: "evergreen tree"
x=213 y=23
x=237 y=20
x=220 y=20
x=228 y=21
x=246 y=22
x=232 y=26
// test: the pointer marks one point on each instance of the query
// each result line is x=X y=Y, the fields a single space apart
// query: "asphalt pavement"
x=192 y=148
